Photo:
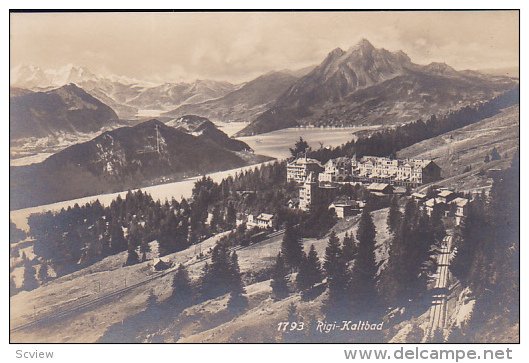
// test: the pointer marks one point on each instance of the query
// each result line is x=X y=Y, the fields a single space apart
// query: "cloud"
x=239 y=46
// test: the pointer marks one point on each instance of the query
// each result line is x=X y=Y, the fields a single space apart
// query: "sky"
x=238 y=47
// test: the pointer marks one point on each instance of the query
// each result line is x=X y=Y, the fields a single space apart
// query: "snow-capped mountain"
x=125 y=95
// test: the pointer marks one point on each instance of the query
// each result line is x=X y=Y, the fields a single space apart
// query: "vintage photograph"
x=264 y=176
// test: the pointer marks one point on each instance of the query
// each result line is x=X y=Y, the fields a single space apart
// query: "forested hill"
x=127 y=157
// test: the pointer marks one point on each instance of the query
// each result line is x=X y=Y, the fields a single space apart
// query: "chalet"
x=263 y=221
x=433 y=203
x=446 y=196
x=160 y=265
x=293 y=203
x=299 y=169
x=419 y=197
x=345 y=207
x=380 y=188
x=461 y=209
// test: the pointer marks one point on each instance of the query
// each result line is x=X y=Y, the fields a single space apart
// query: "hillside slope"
x=467 y=147
x=65 y=109
x=243 y=104
x=127 y=157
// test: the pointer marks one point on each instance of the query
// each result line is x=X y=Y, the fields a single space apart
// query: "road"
x=437 y=314
x=63 y=312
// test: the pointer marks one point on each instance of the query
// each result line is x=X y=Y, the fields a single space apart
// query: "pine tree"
x=405 y=276
x=12 y=286
x=337 y=280
x=132 y=255
x=292 y=246
x=279 y=281
x=144 y=248
x=30 y=281
x=237 y=301
x=364 y=272
x=292 y=313
x=310 y=270
x=333 y=253
x=231 y=216
x=348 y=247
x=117 y=239
x=494 y=154
x=394 y=215
x=300 y=147
x=182 y=290
x=43 y=273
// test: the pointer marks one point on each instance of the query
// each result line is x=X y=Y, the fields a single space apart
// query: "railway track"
x=64 y=312
x=437 y=314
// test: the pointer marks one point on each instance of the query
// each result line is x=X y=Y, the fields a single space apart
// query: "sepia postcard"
x=264 y=177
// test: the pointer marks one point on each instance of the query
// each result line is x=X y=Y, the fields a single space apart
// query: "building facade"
x=299 y=169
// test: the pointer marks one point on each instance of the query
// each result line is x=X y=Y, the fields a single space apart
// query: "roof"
x=418 y=195
x=304 y=161
x=460 y=202
x=433 y=201
x=377 y=186
x=445 y=193
x=398 y=190
x=343 y=202
x=265 y=216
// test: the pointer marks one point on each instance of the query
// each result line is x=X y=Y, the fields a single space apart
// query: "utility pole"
x=157 y=140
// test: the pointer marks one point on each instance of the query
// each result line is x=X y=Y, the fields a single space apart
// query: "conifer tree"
x=182 y=290
x=237 y=301
x=292 y=246
x=30 y=281
x=310 y=270
x=348 y=247
x=364 y=272
x=12 y=286
x=132 y=255
x=333 y=253
x=43 y=272
x=231 y=216
x=144 y=248
x=394 y=215
x=279 y=281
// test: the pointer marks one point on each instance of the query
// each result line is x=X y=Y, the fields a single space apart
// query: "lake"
x=275 y=144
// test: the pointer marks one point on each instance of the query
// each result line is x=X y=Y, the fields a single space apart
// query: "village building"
x=380 y=188
x=461 y=211
x=308 y=192
x=336 y=170
x=299 y=169
x=419 y=197
x=433 y=203
x=374 y=169
x=446 y=196
x=345 y=207
x=161 y=265
x=262 y=221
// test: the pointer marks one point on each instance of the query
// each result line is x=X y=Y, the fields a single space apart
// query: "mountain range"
x=65 y=109
x=365 y=85
x=126 y=96
x=128 y=157
x=243 y=104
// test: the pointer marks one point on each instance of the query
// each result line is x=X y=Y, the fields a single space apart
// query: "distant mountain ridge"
x=367 y=85
x=243 y=104
x=125 y=95
x=122 y=158
x=65 y=109
x=203 y=128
